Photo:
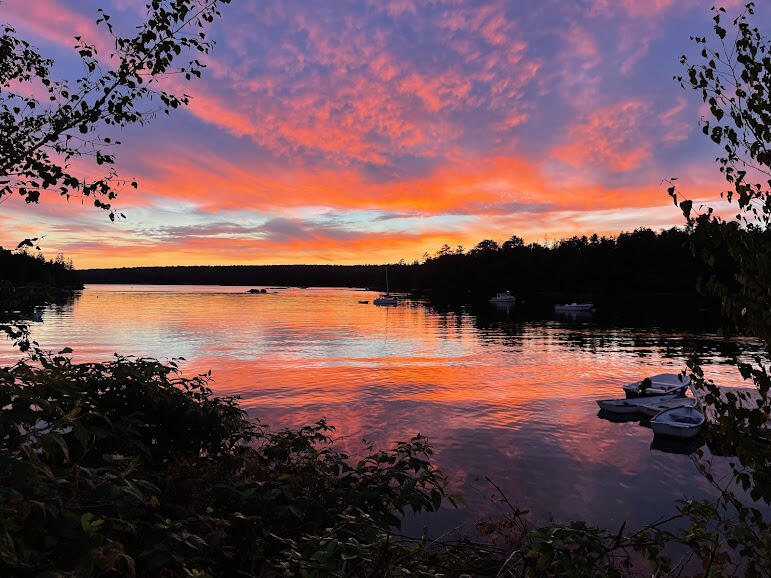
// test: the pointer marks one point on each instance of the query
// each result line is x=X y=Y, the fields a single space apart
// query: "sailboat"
x=386 y=299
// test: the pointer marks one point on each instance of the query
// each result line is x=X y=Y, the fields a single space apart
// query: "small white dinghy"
x=680 y=422
x=634 y=405
x=661 y=384
x=651 y=409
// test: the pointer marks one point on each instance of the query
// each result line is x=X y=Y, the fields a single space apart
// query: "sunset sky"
x=369 y=131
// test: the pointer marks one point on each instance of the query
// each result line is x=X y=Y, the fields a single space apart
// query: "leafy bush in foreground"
x=126 y=468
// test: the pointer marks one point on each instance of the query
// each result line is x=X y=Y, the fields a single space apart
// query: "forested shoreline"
x=643 y=264
x=21 y=269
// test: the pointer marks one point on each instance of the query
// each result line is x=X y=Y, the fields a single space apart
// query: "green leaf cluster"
x=41 y=137
x=128 y=468
x=732 y=75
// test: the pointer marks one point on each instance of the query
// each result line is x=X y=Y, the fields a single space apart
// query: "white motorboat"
x=661 y=384
x=680 y=422
x=568 y=307
x=505 y=297
x=634 y=405
x=655 y=406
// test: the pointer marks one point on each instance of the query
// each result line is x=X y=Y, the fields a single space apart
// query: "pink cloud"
x=675 y=127
x=635 y=8
x=54 y=22
x=609 y=137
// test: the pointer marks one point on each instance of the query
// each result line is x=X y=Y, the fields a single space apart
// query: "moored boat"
x=656 y=406
x=505 y=297
x=680 y=422
x=386 y=299
x=660 y=384
x=634 y=405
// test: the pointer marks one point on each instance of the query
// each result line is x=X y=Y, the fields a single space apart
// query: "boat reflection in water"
x=575 y=315
x=504 y=307
x=619 y=417
x=684 y=447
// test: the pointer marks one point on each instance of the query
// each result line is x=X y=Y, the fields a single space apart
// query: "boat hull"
x=660 y=384
x=619 y=409
x=385 y=301
x=654 y=408
x=632 y=405
x=682 y=422
x=675 y=431
x=632 y=391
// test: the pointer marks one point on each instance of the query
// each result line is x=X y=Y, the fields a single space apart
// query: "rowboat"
x=661 y=384
x=634 y=405
x=680 y=422
x=651 y=409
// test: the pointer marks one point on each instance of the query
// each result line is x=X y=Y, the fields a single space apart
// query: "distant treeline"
x=23 y=269
x=639 y=263
x=277 y=275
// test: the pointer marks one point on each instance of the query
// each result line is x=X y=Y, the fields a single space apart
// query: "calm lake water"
x=497 y=397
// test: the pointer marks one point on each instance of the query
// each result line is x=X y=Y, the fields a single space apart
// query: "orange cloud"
x=474 y=186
